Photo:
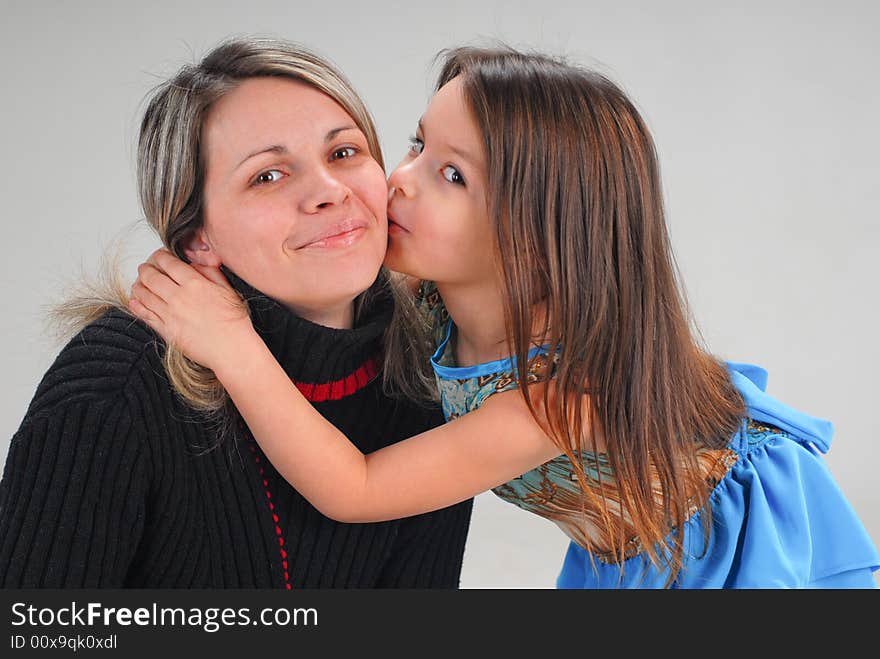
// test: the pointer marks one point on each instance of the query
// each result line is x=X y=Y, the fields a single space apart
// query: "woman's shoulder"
x=112 y=341
x=99 y=361
x=118 y=329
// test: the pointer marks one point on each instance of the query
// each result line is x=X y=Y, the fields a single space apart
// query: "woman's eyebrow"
x=274 y=148
x=333 y=133
x=282 y=150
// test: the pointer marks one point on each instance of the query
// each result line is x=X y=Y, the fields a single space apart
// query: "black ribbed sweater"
x=109 y=481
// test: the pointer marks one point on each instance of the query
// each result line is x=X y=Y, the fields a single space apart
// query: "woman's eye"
x=452 y=175
x=344 y=152
x=416 y=145
x=269 y=176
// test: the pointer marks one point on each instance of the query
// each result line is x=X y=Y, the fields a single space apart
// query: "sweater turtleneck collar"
x=342 y=360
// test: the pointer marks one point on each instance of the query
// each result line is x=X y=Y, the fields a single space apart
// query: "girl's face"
x=294 y=203
x=438 y=224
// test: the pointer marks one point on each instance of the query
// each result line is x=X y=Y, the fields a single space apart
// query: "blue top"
x=779 y=519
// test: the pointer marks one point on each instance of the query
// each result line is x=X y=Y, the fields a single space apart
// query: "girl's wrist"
x=239 y=352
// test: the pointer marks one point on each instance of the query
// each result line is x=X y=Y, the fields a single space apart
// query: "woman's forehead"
x=263 y=113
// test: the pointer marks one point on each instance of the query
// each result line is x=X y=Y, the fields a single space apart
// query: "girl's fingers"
x=140 y=311
x=149 y=300
x=213 y=273
x=159 y=283
x=177 y=270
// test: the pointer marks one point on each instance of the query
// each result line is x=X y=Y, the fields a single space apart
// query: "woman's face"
x=294 y=203
x=438 y=223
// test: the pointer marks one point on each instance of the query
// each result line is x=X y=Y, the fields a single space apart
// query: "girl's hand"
x=191 y=306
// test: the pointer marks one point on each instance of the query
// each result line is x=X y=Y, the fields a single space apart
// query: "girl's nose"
x=401 y=181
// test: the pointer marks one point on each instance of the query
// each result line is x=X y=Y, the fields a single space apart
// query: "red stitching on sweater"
x=315 y=393
x=278 y=532
x=319 y=392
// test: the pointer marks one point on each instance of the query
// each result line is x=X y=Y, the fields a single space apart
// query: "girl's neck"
x=478 y=315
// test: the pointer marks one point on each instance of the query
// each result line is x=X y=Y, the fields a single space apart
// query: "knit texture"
x=112 y=481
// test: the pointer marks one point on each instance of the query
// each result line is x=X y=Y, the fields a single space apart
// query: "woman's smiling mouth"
x=341 y=234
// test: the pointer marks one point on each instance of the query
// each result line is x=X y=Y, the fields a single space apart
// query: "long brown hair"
x=576 y=202
x=170 y=175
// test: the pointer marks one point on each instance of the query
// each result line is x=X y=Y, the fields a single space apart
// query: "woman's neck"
x=339 y=316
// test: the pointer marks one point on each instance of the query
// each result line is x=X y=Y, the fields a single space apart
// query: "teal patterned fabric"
x=779 y=518
x=463 y=389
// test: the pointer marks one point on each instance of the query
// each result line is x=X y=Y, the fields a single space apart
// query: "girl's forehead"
x=448 y=99
x=449 y=121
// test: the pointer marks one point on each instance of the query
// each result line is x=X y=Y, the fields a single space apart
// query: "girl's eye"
x=416 y=145
x=452 y=175
x=344 y=152
x=269 y=176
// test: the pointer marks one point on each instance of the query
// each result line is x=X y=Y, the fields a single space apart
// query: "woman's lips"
x=343 y=239
x=341 y=234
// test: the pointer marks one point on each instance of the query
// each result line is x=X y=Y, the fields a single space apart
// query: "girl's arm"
x=432 y=470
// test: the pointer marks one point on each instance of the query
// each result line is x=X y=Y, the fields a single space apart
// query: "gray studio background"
x=765 y=116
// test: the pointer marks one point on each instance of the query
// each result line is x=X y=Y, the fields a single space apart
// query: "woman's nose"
x=323 y=188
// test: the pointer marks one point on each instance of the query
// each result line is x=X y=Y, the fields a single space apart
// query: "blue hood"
x=751 y=381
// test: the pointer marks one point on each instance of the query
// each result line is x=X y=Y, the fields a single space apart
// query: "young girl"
x=528 y=216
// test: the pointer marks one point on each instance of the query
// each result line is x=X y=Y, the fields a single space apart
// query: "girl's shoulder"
x=779 y=487
x=778 y=518
x=427 y=296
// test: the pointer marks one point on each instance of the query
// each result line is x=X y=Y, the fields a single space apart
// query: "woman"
x=131 y=467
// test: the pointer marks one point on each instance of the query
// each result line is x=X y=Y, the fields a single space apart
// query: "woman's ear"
x=199 y=251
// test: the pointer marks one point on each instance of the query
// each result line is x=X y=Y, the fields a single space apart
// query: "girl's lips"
x=394 y=227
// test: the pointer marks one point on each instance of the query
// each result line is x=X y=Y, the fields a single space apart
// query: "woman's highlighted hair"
x=170 y=175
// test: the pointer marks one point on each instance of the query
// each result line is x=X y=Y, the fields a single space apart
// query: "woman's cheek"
x=375 y=192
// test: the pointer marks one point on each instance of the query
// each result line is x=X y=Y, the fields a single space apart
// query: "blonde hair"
x=170 y=177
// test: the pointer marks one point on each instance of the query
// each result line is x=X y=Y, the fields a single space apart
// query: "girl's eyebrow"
x=463 y=154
